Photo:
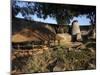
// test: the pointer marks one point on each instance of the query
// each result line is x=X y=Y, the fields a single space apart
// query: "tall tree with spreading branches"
x=62 y=13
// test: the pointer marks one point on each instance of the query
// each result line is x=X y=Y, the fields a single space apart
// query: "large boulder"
x=64 y=38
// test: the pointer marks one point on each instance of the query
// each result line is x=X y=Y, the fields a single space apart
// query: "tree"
x=62 y=13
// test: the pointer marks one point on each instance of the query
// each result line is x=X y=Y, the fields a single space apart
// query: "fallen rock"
x=92 y=66
x=76 y=44
x=91 y=49
x=81 y=47
x=59 y=67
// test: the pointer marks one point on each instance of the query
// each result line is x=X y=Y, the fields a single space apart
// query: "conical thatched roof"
x=22 y=38
x=28 y=34
x=19 y=38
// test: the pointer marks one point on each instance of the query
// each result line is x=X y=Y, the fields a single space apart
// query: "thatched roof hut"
x=19 y=38
x=33 y=35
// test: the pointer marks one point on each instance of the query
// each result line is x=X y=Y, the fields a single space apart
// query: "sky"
x=81 y=19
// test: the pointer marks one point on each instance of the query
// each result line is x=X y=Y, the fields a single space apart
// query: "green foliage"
x=60 y=12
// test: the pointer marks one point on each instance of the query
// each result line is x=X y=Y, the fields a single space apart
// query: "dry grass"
x=58 y=58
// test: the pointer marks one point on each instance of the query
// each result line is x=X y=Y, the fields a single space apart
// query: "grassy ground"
x=58 y=58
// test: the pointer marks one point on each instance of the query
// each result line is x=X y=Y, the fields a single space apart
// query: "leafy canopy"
x=62 y=13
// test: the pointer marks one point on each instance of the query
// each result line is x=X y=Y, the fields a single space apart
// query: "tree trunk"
x=92 y=32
